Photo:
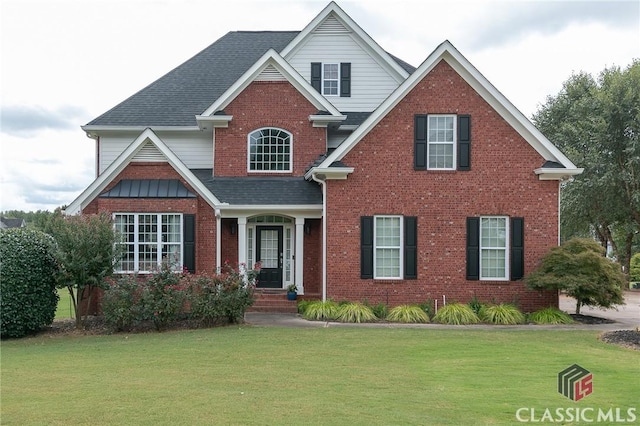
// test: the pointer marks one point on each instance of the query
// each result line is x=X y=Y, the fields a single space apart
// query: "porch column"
x=242 y=241
x=299 y=264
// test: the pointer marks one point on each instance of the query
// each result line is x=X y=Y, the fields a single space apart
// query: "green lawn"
x=65 y=306
x=341 y=375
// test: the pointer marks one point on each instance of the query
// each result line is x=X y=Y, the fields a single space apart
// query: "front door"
x=269 y=254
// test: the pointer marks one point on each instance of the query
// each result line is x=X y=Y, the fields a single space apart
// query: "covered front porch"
x=287 y=247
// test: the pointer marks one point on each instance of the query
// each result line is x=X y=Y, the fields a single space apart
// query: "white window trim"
x=455 y=141
x=337 y=64
x=507 y=249
x=159 y=243
x=400 y=248
x=290 y=170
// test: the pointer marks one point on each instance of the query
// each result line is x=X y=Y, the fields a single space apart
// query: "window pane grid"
x=441 y=141
x=493 y=247
x=330 y=79
x=387 y=246
x=270 y=150
x=146 y=239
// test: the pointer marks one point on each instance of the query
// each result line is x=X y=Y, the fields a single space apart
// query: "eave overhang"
x=545 y=173
x=329 y=173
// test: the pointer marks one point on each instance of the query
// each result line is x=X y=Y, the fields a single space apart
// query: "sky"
x=65 y=62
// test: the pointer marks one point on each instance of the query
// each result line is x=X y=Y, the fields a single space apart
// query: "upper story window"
x=270 y=150
x=330 y=79
x=442 y=142
x=441 y=137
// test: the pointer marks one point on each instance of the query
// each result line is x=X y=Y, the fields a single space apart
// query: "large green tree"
x=596 y=122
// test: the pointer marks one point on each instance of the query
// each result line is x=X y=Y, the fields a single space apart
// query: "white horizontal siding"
x=370 y=82
x=194 y=149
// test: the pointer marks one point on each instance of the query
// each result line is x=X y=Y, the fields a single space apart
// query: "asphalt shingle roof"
x=284 y=190
x=177 y=97
x=186 y=91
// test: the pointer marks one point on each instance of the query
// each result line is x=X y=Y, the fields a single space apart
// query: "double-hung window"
x=441 y=137
x=442 y=142
x=269 y=150
x=330 y=79
x=148 y=239
x=388 y=247
x=388 y=244
x=493 y=248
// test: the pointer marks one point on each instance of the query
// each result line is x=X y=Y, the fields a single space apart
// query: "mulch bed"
x=96 y=326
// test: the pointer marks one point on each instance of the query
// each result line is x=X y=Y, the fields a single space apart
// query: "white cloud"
x=64 y=62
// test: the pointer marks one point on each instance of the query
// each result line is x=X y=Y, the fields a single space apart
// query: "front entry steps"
x=273 y=301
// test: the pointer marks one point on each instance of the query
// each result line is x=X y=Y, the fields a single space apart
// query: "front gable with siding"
x=337 y=166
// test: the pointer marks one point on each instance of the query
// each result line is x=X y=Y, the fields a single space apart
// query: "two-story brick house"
x=334 y=164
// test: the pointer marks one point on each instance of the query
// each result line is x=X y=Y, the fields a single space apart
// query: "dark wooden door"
x=269 y=254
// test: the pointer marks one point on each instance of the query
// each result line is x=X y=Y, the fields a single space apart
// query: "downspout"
x=218 y=240
x=321 y=179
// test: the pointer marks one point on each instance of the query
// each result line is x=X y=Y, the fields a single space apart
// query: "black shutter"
x=473 y=248
x=464 y=142
x=517 y=248
x=420 y=142
x=410 y=247
x=366 y=247
x=189 y=242
x=345 y=79
x=316 y=76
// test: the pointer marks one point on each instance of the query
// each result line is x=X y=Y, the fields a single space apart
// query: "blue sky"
x=64 y=62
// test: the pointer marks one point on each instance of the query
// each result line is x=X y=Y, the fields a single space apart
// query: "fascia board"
x=369 y=43
x=333 y=173
x=556 y=173
x=119 y=164
x=93 y=131
x=446 y=51
x=235 y=210
x=271 y=57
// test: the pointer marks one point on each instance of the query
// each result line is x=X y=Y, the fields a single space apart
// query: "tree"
x=28 y=296
x=87 y=255
x=579 y=268
x=597 y=124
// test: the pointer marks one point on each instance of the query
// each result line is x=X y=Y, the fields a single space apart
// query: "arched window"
x=269 y=150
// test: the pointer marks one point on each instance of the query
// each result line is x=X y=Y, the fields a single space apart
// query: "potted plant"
x=292 y=292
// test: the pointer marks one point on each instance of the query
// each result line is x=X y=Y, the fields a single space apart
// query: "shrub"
x=427 y=307
x=220 y=299
x=380 y=310
x=119 y=303
x=408 y=314
x=302 y=306
x=28 y=269
x=503 y=314
x=550 y=316
x=321 y=311
x=579 y=268
x=456 y=314
x=476 y=306
x=355 y=312
x=162 y=297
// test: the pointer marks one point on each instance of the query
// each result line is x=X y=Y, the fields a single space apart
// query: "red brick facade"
x=268 y=104
x=384 y=182
x=501 y=182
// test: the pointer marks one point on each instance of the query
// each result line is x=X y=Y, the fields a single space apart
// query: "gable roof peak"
x=348 y=25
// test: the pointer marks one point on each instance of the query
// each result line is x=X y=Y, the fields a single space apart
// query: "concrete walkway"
x=626 y=317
